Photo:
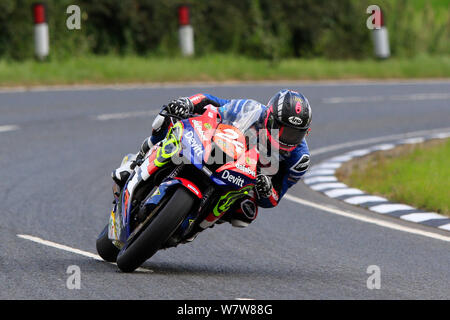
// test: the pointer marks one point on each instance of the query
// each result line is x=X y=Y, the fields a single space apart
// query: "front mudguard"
x=169 y=184
x=115 y=228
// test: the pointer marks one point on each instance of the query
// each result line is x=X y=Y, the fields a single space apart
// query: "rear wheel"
x=105 y=247
x=157 y=232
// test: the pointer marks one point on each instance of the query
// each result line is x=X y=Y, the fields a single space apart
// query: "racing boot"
x=121 y=174
x=129 y=162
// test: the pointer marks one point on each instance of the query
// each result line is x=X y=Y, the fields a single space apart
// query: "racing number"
x=231 y=136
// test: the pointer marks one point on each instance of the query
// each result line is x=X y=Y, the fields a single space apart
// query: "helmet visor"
x=287 y=137
x=291 y=136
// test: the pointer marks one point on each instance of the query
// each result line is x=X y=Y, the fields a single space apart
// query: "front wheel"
x=157 y=232
x=105 y=248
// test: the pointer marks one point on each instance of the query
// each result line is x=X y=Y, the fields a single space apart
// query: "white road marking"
x=358 y=153
x=371 y=220
x=69 y=249
x=421 y=96
x=328 y=165
x=125 y=115
x=390 y=207
x=323 y=186
x=211 y=84
x=364 y=199
x=320 y=172
x=320 y=179
x=6 y=128
x=350 y=144
x=419 y=217
x=445 y=227
x=344 y=158
x=335 y=100
x=410 y=97
x=343 y=192
x=383 y=147
x=443 y=135
x=412 y=140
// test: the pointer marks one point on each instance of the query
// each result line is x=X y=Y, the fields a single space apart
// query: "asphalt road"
x=57 y=149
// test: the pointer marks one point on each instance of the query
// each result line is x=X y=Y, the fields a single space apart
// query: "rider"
x=288 y=112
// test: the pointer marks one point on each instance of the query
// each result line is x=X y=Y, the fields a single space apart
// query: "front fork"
x=118 y=228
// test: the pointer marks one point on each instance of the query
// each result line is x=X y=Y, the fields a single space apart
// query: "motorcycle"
x=180 y=188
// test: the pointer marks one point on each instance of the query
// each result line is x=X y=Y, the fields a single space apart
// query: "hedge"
x=257 y=28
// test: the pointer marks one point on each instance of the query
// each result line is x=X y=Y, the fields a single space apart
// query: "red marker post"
x=41 y=42
x=185 y=31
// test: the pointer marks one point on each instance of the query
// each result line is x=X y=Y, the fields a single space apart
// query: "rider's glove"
x=263 y=186
x=181 y=107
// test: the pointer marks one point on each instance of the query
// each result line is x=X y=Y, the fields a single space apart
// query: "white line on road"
x=363 y=218
x=8 y=128
x=410 y=97
x=60 y=246
x=124 y=115
x=350 y=144
x=69 y=249
x=211 y=84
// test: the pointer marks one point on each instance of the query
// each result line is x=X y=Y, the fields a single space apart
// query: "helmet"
x=288 y=112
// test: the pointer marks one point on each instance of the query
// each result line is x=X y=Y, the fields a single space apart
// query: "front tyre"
x=105 y=248
x=157 y=232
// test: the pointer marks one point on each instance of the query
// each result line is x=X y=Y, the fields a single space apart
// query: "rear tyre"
x=157 y=232
x=105 y=247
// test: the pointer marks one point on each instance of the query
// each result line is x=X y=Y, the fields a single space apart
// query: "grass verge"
x=412 y=174
x=132 y=69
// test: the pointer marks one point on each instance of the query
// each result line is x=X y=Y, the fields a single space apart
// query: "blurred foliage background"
x=264 y=29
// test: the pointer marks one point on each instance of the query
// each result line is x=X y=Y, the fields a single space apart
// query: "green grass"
x=114 y=69
x=418 y=175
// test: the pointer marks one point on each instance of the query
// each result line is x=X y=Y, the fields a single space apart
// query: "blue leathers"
x=292 y=165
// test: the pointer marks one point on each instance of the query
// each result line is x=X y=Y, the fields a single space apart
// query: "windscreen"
x=241 y=113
